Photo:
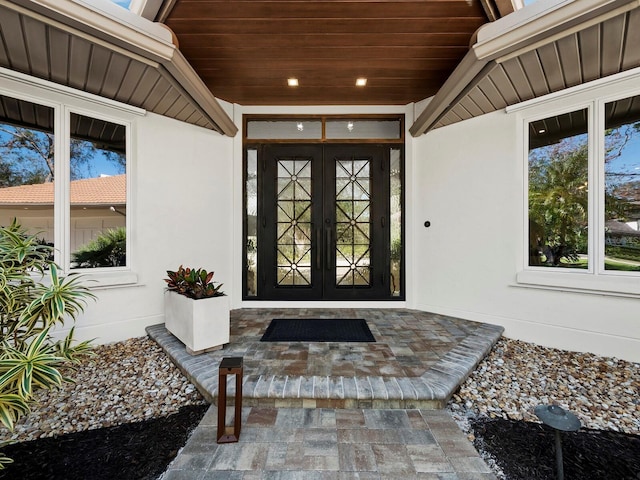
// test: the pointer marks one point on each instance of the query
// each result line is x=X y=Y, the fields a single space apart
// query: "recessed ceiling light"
x=292 y=82
x=361 y=82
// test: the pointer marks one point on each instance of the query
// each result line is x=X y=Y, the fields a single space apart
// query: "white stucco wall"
x=468 y=183
x=182 y=190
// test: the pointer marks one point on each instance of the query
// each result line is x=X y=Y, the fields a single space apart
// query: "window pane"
x=558 y=191
x=363 y=129
x=252 y=215
x=27 y=166
x=622 y=185
x=396 y=221
x=284 y=129
x=98 y=193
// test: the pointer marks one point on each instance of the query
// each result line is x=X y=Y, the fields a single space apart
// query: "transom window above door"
x=325 y=128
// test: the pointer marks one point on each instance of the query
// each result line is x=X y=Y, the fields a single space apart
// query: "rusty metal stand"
x=229 y=366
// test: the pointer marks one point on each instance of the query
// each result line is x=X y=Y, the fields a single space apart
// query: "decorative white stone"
x=200 y=324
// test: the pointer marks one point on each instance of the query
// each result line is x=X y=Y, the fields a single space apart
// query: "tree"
x=558 y=195
x=558 y=199
x=27 y=156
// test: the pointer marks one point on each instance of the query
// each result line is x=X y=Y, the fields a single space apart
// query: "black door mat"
x=317 y=330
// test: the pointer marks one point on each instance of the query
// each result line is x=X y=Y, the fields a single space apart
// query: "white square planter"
x=200 y=324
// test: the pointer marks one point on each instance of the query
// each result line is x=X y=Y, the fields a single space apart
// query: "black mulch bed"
x=526 y=450
x=140 y=450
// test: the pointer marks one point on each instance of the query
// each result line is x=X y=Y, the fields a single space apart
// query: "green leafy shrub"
x=193 y=283
x=109 y=249
x=29 y=356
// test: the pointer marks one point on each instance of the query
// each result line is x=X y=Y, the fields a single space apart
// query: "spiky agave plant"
x=29 y=309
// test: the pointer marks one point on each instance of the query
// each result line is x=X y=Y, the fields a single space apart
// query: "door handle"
x=327 y=253
x=318 y=249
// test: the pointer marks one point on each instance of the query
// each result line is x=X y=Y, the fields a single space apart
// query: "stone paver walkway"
x=332 y=444
x=337 y=410
x=418 y=360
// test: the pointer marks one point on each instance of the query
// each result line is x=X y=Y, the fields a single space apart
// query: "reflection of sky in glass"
x=625 y=165
x=98 y=165
x=122 y=3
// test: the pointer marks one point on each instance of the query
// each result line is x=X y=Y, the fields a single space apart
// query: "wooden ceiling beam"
x=323 y=26
x=334 y=40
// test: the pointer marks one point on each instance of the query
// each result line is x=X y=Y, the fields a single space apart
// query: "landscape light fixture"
x=560 y=420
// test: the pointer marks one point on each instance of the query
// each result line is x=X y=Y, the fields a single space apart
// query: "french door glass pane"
x=293 y=242
x=98 y=193
x=27 y=167
x=353 y=203
x=622 y=185
x=558 y=191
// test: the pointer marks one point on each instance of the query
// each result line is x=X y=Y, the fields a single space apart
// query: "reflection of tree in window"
x=558 y=191
x=27 y=166
x=28 y=156
x=622 y=184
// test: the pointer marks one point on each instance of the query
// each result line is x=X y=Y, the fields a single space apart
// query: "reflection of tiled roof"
x=89 y=191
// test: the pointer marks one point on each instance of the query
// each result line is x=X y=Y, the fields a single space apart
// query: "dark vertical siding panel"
x=613 y=33
x=114 y=77
x=590 y=53
x=59 y=55
x=11 y=25
x=631 y=54
x=97 y=68
x=534 y=73
x=569 y=52
x=36 y=41
x=79 y=58
x=551 y=66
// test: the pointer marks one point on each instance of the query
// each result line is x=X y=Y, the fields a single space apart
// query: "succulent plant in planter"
x=196 y=310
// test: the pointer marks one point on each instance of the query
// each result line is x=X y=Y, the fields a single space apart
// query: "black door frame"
x=323 y=226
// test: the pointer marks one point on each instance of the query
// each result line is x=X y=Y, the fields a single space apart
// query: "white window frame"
x=592 y=96
x=64 y=101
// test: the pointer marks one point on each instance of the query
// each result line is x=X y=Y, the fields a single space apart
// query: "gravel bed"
x=123 y=382
x=604 y=393
x=134 y=380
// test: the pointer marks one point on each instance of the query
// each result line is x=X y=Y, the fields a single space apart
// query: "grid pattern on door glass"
x=353 y=211
x=293 y=238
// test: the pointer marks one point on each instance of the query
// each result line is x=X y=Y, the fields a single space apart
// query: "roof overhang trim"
x=525 y=30
x=118 y=29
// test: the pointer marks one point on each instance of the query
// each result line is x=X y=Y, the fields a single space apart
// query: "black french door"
x=324 y=222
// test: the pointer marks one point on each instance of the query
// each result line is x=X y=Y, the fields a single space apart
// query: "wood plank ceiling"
x=244 y=50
